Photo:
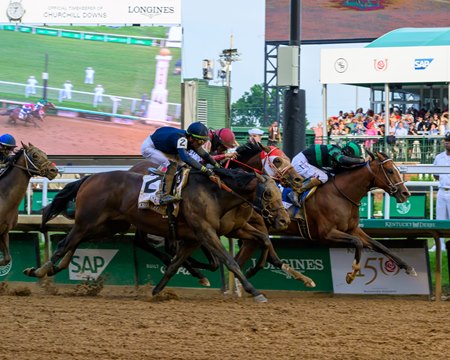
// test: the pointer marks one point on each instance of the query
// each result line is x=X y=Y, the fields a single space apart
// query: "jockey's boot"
x=167 y=197
x=309 y=183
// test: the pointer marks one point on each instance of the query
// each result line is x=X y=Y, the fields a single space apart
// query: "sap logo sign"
x=422 y=64
x=89 y=263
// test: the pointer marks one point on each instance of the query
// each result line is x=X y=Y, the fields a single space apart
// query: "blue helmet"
x=198 y=130
x=7 y=140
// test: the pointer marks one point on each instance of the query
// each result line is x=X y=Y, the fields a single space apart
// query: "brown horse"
x=106 y=203
x=26 y=162
x=332 y=211
x=251 y=157
x=31 y=117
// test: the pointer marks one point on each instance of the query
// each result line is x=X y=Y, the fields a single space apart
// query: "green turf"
x=123 y=70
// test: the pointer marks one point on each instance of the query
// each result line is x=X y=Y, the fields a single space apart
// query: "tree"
x=249 y=109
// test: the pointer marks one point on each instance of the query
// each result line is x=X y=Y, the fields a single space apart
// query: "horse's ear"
x=370 y=153
x=30 y=144
x=260 y=177
x=265 y=148
x=23 y=145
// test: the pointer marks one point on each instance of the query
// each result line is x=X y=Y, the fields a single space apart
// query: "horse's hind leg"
x=377 y=246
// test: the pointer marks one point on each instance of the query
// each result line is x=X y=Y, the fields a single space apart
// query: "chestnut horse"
x=31 y=117
x=106 y=204
x=251 y=157
x=26 y=162
x=332 y=211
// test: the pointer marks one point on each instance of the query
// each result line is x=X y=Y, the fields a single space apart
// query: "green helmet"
x=352 y=149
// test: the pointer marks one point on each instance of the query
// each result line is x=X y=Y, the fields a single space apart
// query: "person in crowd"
x=89 y=75
x=168 y=146
x=30 y=89
x=311 y=162
x=443 y=194
x=98 y=95
x=274 y=135
x=255 y=135
x=444 y=125
x=7 y=145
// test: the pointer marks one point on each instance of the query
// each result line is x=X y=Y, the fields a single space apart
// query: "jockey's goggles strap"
x=200 y=137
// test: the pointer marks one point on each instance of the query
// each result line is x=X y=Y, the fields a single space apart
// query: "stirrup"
x=169 y=199
x=294 y=198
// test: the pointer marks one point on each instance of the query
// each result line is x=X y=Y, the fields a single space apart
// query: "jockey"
x=168 y=146
x=310 y=162
x=7 y=145
x=219 y=144
x=28 y=108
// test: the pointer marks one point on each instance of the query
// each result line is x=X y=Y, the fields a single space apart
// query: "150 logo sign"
x=374 y=266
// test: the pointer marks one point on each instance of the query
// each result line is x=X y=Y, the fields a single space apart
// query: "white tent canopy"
x=406 y=58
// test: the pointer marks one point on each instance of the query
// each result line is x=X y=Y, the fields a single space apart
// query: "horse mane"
x=248 y=150
x=232 y=177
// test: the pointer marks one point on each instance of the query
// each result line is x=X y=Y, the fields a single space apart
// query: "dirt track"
x=124 y=324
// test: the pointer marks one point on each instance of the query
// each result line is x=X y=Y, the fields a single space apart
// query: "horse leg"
x=214 y=245
x=139 y=240
x=276 y=261
x=377 y=246
x=184 y=251
x=349 y=240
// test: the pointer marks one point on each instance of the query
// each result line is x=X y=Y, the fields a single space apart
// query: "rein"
x=344 y=195
x=243 y=164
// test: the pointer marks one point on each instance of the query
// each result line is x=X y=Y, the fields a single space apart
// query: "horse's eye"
x=277 y=161
x=390 y=171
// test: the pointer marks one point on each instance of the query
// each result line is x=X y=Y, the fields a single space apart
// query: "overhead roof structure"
x=407 y=58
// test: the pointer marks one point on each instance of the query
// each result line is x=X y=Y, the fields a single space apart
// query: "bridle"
x=31 y=168
x=261 y=204
x=393 y=187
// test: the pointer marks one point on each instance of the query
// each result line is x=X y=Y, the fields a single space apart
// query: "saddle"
x=151 y=190
x=299 y=213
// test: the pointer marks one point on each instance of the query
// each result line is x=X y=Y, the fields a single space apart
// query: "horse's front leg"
x=337 y=236
x=377 y=246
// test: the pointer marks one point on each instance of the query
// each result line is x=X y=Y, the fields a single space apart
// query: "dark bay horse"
x=26 y=162
x=251 y=157
x=106 y=204
x=30 y=118
x=332 y=211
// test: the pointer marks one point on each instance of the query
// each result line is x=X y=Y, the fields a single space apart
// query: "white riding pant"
x=156 y=156
x=443 y=208
x=305 y=169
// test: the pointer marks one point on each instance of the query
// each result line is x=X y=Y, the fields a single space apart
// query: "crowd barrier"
x=327 y=266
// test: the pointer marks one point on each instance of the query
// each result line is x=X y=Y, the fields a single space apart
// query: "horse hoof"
x=260 y=298
x=310 y=284
x=30 y=272
x=349 y=278
x=204 y=282
x=412 y=272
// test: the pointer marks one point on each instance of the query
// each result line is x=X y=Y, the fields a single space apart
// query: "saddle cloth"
x=151 y=190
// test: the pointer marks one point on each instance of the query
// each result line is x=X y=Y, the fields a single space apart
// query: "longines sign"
x=154 y=12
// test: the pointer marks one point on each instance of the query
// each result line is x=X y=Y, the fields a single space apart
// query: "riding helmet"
x=198 y=130
x=352 y=149
x=7 y=140
x=227 y=137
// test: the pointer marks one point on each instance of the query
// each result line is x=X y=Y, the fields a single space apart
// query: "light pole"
x=227 y=57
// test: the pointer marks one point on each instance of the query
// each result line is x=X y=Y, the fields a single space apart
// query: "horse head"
x=387 y=176
x=268 y=199
x=37 y=163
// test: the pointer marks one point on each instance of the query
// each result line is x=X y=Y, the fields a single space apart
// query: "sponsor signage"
x=24 y=249
x=385 y=65
x=159 y=12
x=414 y=207
x=312 y=262
x=112 y=259
x=380 y=275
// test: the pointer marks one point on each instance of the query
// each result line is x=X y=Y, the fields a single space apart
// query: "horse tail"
x=60 y=202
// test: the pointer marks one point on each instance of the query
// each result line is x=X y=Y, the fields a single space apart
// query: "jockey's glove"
x=207 y=171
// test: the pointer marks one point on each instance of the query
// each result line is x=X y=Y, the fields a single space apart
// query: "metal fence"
x=420 y=149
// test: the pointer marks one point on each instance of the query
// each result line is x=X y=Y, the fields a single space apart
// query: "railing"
x=421 y=149
x=110 y=103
